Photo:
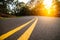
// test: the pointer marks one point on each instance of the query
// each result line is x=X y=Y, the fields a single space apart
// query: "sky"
x=25 y=1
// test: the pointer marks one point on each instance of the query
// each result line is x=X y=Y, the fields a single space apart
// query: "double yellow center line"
x=25 y=36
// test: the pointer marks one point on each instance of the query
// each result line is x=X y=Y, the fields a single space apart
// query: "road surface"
x=30 y=28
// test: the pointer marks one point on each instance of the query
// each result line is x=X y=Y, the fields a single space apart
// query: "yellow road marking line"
x=4 y=36
x=27 y=33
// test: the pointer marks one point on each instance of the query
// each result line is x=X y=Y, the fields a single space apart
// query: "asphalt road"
x=30 y=28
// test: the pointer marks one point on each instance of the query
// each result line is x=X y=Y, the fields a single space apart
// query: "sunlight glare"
x=47 y=3
x=49 y=8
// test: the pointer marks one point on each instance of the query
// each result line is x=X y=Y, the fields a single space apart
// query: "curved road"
x=30 y=28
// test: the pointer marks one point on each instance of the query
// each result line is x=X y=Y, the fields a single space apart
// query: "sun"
x=49 y=7
x=47 y=3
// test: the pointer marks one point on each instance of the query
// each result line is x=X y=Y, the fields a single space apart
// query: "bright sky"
x=25 y=1
x=47 y=3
